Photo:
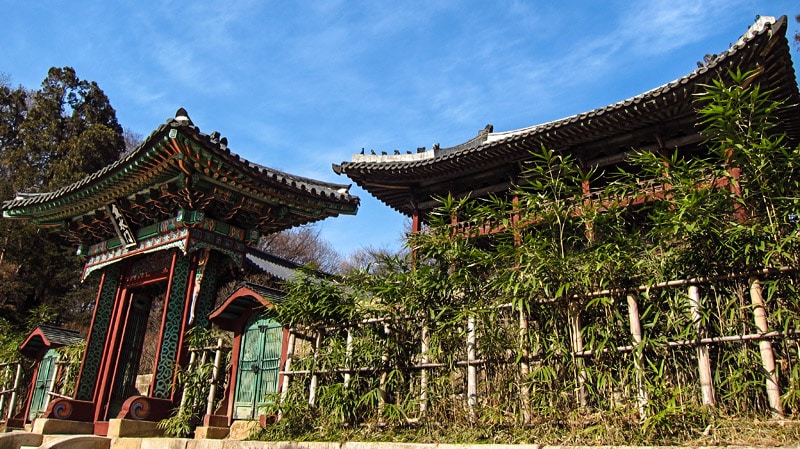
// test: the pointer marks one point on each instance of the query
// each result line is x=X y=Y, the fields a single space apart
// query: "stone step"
x=62 y=442
x=20 y=438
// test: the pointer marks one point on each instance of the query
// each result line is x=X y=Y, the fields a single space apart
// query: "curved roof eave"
x=307 y=187
x=669 y=94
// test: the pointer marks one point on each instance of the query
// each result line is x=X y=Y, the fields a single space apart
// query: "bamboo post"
x=6 y=373
x=576 y=340
x=312 y=389
x=638 y=354
x=348 y=355
x=424 y=344
x=703 y=357
x=472 y=370
x=212 y=391
x=384 y=373
x=203 y=360
x=524 y=366
x=13 y=402
x=288 y=365
x=189 y=368
x=67 y=373
x=423 y=374
x=765 y=347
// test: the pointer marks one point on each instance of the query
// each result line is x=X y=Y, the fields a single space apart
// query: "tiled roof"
x=394 y=179
x=283 y=269
x=272 y=295
x=126 y=174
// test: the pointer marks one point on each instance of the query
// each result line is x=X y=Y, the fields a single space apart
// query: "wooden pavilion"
x=162 y=227
x=662 y=119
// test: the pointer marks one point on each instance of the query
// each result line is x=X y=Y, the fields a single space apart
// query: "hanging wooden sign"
x=124 y=231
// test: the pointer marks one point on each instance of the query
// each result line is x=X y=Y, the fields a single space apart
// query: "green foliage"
x=70 y=358
x=297 y=417
x=332 y=302
x=731 y=210
x=194 y=381
x=10 y=339
x=49 y=138
x=69 y=132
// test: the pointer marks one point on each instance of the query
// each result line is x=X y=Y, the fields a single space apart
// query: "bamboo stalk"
x=5 y=390
x=638 y=357
x=348 y=355
x=472 y=371
x=312 y=389
x=287 y=369
x=13 y=402
x=703 y=357
x=192 y=358
x=65 y=377
x=384 y=374
x=576 y=340
x=524 y=366
x=765 y=348
x=700 y=341
x=423 y=375
x=212 y=391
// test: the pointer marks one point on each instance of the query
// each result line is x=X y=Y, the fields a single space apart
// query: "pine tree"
x=70 y=131
x=49 y=138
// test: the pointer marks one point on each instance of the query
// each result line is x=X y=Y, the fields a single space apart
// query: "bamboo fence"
x=473 y=370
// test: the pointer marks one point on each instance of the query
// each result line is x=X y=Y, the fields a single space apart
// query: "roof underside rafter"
x=661 y=119
x=179 y=168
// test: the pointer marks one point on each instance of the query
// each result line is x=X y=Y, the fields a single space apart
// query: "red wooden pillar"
x=110 y=356
x=416 y=227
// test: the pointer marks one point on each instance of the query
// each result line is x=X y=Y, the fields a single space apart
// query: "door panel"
x=259 y=363
x=41 y=387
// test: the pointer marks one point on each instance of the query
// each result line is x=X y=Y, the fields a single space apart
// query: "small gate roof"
x=48 y=337
x=251 y=296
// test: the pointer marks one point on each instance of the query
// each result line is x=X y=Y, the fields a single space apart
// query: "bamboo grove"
x=665 y=298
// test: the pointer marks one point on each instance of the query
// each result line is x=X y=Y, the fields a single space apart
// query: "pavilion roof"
x=179 y=167
x=662 y=118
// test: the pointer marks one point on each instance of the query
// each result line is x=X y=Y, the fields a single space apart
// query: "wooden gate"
x=259 y=364
x=41 y=387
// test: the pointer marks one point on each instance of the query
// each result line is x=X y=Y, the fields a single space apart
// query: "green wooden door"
x=259 y=363
x=41 y=387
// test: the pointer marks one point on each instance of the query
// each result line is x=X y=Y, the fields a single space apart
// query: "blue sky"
x=299 y=86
